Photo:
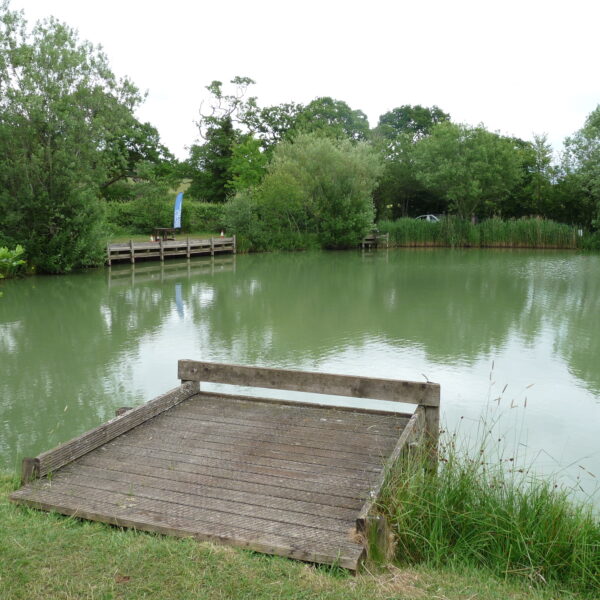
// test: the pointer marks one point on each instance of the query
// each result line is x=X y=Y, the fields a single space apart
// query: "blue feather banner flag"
x=177 y=213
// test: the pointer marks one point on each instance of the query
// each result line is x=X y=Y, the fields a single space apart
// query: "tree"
x=582 y=167
x=248 y=164
x=209 y=165
x=333 y=118
x=60 y=110
x=416 y=121
x=318 y=185
x=471 y=167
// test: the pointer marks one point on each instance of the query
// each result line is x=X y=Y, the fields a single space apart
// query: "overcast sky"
x=517 y=66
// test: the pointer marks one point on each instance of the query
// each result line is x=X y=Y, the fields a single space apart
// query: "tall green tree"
x=209 y=164
x=582 y=167
x=415 y=121
x=248 y=164
x=474 y=169
x=333 y=118
x=61 y=109
x=319 y=185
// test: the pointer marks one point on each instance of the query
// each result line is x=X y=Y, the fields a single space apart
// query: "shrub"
x=317 y=192
x=11 y=263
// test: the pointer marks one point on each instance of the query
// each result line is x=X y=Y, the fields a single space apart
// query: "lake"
x=513 y=335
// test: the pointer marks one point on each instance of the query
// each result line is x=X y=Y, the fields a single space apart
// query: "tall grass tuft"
x=491 y=233
x=476 y=514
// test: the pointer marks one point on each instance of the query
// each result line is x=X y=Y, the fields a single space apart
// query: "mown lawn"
x=45 y=556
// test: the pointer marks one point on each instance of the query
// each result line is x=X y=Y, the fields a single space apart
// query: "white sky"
x=517 y=66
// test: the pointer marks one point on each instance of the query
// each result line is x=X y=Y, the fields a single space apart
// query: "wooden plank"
x=266 y=416
x=281 y=402
x=127 y=464
x=69 y=451
x=354 y=485
x=182 y=463
x=81 y=496
x=346 y=556
x=413 y=429
x=257 y=452
x=137 y=486
x=240 y=458
x=218 y=440
x=321 y=383
x=374 y=446
x=359 y=437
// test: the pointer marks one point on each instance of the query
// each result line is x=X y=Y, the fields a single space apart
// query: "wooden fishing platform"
x=374 y=240
x=296 y=479
x=161 y=249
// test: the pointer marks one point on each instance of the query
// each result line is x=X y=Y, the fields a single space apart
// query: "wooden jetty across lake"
x=297 y=479
x=161 y=249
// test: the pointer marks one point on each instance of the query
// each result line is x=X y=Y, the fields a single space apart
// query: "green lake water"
x=74 y=348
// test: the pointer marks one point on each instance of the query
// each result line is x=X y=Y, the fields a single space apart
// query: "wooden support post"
x=212 y=246
x=377 y=538
x=234 y=244
x=30 y=469
x=188 y=246
x=162 y=252
x=108 y=254
x=132 y=252
x=432 y=432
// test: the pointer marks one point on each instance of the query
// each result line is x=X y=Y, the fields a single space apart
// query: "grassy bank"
x=492 y=233
x=492 y=515
x=46 y=556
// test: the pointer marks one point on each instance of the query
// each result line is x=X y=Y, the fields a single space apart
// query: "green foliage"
x=11 y=261
x=333 y=118
x=471 y=167
x=248 y=164
x=201 y=216
x=415 y=121
x=583 y=165
x=63 y=115
x=475 y=512
x=209 y=164
x=491 y=233
x=320 y=186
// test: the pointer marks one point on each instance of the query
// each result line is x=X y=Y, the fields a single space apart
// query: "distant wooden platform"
x=374 y=240
x=161 y=249
x=293 y=479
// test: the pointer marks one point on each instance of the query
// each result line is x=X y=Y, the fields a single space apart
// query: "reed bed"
x=473 y=513
x=491 y=233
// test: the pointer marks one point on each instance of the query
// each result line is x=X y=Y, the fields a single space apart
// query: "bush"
x=202 y=216
x=11 y=263
x=317 y=191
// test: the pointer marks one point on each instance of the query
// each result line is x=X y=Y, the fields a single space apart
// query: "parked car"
x=430 y=218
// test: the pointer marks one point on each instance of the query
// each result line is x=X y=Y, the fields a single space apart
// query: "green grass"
x=491 y=233
x=45 y=556
x=492 y=515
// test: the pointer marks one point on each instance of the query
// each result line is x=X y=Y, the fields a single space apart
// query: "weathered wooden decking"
x=161 y=249
x=298 y=480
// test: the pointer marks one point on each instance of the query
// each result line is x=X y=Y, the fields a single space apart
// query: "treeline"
x=77 y=163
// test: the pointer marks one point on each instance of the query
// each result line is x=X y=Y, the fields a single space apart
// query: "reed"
x=474 y=513
x=491 y=233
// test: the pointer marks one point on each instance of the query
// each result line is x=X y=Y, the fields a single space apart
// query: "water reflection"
x=74 y=348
